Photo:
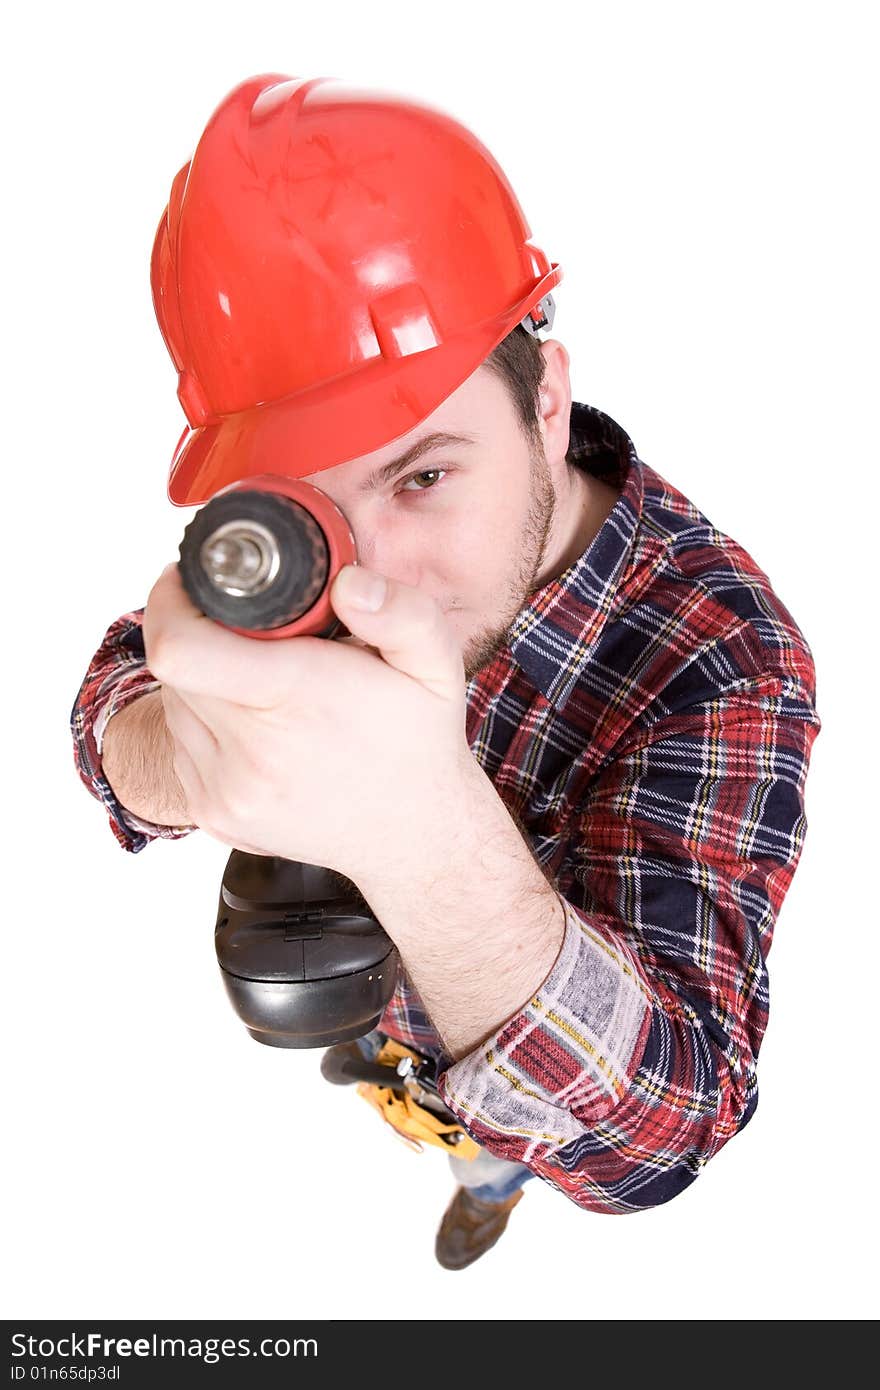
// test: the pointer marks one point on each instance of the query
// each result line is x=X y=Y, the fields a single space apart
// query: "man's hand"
x=334 y=752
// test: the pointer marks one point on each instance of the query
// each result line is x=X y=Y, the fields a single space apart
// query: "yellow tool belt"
x=415 y=1123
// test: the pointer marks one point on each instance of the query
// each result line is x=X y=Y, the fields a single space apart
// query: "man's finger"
x=190 y=652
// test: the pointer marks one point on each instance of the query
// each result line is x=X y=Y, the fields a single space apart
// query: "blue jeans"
x=486 y=1177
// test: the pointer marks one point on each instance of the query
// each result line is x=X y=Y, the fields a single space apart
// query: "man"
x=563 y=752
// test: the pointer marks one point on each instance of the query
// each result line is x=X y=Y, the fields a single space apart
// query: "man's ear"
x=555 y=402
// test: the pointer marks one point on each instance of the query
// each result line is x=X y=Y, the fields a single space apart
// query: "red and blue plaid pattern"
x=648 y=726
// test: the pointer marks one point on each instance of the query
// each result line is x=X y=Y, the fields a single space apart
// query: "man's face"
x=468 y=522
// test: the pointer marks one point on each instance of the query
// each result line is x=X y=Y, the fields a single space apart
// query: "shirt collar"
x=555 y=634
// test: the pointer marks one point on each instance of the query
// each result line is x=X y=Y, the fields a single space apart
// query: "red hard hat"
x=332 y=264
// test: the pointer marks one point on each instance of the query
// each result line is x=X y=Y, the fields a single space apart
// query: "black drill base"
x=304 y=960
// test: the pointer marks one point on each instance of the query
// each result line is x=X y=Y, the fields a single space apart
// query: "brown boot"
x=470 y=1227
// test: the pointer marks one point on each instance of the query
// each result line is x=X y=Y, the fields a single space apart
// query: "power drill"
x=303 y=958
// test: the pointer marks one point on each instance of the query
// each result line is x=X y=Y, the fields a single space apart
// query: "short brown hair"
x=519 y=362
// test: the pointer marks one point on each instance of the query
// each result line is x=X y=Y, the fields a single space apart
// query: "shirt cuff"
x=126 y=688
x=567 y=1058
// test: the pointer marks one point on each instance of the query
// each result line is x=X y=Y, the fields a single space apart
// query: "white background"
x=705 y=175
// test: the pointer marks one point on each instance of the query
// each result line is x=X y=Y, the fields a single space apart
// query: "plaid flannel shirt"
x=648 y=725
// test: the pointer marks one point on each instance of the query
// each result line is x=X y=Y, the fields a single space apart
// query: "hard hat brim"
x=346 y=418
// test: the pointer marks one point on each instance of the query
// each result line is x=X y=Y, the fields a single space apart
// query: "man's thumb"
x=405 y=626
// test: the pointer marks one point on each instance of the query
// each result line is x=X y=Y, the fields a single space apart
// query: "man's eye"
x=426 y=473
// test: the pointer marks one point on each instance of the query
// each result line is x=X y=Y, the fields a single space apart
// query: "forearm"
x=477 y=924
x=138 y=762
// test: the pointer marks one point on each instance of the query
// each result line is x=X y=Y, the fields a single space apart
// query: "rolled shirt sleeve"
x=635 y=1061
x=116 y=675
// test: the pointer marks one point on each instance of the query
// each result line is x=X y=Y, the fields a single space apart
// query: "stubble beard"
x=484 y=646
